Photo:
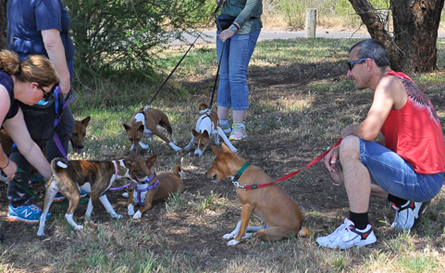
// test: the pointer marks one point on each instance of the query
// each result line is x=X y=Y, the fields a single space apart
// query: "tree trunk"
x=412 y=46
x=3 y=25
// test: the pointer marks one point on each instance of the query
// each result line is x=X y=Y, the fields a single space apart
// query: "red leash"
x=320 y=157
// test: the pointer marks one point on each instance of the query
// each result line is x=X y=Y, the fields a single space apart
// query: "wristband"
x=7 y=164
x=233 y=28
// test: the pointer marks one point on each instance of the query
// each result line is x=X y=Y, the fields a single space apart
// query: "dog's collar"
x=148 y=179
x=115 y=169
x=238 y=175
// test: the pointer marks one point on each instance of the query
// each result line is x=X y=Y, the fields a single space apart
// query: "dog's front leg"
x=130 y=205
x=148 y=200
x=143 y=145
x=247 y=210
x=226 y=140
x=190 y=145
x=108 y=207
x=233 y=234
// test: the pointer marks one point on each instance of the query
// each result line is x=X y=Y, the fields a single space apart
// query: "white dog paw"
x=78 y=227
x=137 y=215
x=117 y=216
x=40 y=233
x=248 y=235
x=232 y=242
x=130 y=212
x=229 y=236
x=125 y=195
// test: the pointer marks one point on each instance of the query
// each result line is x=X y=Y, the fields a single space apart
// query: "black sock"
x=360 y=219
x=396 y=200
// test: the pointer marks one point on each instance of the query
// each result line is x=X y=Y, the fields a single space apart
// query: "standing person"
x=238 y=42
x=41 y=27
x=27 y=81
x=408 y=169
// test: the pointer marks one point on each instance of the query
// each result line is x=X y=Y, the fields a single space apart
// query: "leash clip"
x=237 y=184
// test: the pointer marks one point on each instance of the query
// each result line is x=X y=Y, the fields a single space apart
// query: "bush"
x=120 y=35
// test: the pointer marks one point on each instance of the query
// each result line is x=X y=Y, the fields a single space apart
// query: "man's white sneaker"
x=347 y=236
x=408 y=215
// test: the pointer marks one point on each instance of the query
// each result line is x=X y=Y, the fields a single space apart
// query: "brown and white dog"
x=144 y=124
x=78 y=135
x=207 y=127
x=153 y=188
x=94 y=177
x=272 y=205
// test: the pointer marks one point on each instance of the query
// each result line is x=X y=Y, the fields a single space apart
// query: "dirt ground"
x=322 y=203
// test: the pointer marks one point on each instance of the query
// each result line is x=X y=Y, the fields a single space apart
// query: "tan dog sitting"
x=271 y=204
x=78 y=135
x=144 y=124
x=153 y=188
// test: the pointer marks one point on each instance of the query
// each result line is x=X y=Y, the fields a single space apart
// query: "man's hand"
x=217 y=1
x=331 y=159
x=349 y=130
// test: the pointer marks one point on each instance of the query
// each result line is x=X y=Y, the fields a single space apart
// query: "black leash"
x=177 y=65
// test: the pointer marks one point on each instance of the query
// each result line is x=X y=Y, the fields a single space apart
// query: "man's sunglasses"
x=359 y=61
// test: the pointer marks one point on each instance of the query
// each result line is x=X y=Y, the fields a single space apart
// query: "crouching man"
x=408 y=169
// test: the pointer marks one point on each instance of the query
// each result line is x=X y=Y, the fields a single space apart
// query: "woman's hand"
x=10 y=170
x=226 y=34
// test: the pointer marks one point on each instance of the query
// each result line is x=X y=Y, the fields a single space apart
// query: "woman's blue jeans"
x=236 y=53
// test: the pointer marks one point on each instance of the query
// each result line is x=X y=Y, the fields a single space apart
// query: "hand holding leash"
x=10 y=169
x=226 y=34
x=331 y=159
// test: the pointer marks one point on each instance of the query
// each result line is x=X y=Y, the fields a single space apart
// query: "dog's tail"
x=58 y=163
x=304 y=232
x=202 y=106
x=177 y=171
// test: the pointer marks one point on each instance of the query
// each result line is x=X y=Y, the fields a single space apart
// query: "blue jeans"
x=396 y=176
x=233 y=90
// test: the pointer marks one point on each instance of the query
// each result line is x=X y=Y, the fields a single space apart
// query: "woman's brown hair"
x=34 y=68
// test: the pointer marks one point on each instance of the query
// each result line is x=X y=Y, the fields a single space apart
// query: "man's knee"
x=349 y=149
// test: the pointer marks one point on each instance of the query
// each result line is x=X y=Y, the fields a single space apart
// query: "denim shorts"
x=396 y=176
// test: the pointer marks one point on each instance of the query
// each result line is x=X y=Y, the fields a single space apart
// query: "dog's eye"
x=74 y=134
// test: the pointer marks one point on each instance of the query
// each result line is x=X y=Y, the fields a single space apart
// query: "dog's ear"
x=226 y=149
x=85 y=121
x=206 y=134
x=217 y=151
x=194 y=132
x=151 y=160
x=141 y=128
x=127 y=127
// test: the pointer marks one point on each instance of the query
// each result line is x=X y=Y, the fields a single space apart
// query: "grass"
x=307 y=108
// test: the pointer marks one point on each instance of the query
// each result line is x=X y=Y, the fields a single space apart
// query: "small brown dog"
x=271 y=204
x=78 y=135
x=144 y=124
x=153 y=188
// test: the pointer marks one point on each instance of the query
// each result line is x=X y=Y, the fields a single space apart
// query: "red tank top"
x=414 y=132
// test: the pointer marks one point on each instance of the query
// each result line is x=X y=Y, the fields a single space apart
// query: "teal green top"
x=247 y=13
